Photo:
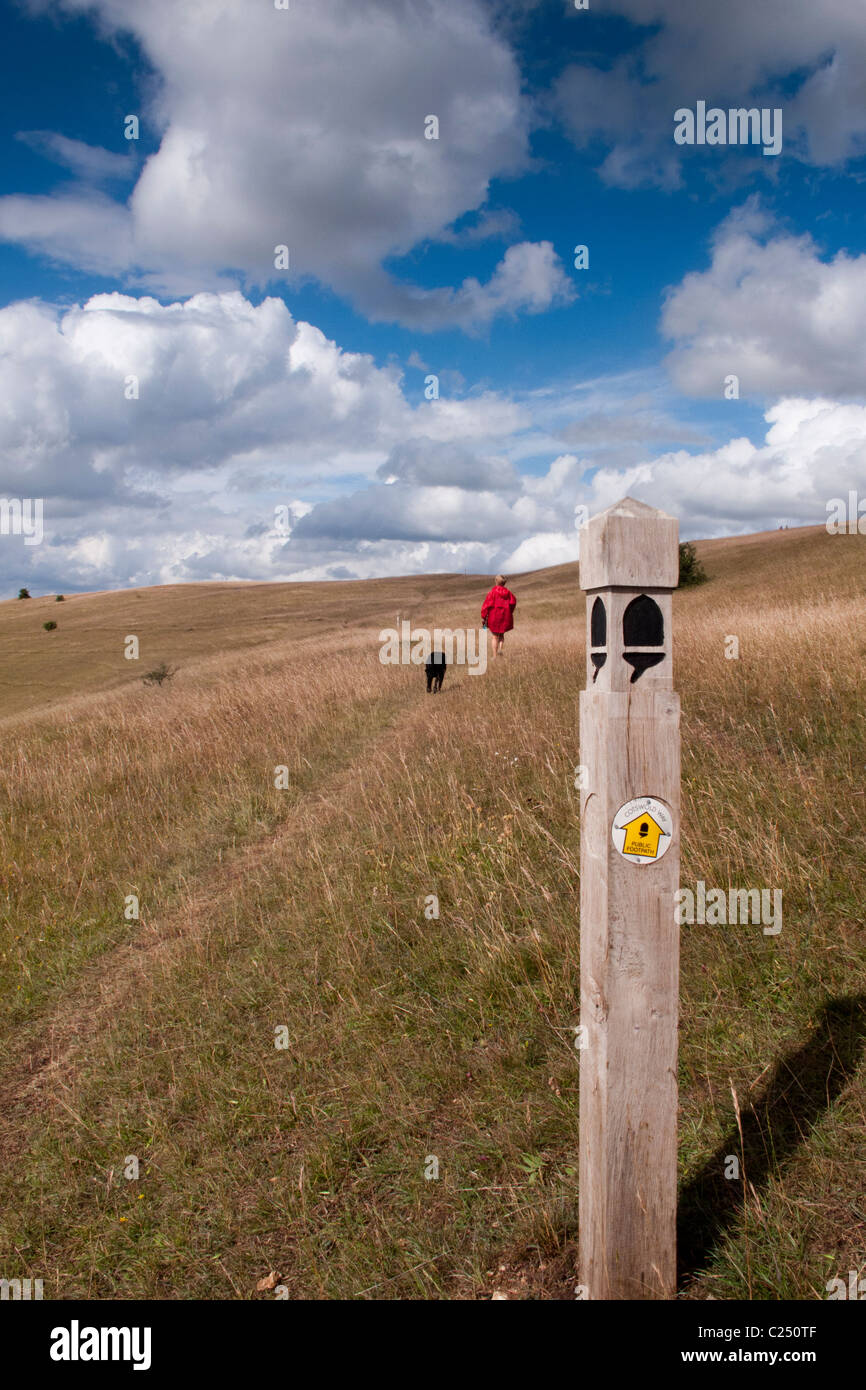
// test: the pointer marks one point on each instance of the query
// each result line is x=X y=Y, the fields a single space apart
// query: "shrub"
x=160 y=673
x=58 y=598
x=49 y=626
x=691 y=569
x=23 y=593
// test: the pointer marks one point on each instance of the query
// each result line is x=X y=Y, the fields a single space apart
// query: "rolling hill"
x=218 y=955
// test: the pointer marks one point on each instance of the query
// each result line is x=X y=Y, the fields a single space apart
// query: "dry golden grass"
x=408 y=1037
x=182 y=623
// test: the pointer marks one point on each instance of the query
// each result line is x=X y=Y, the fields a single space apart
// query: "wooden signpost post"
x=629 y=873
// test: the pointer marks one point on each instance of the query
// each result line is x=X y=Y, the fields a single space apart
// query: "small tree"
x=49 y=626
x=691 y=569
x=160 y=673
x=58 y=598
x=23 y=593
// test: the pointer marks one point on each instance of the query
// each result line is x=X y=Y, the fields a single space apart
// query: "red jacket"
x=498 y=608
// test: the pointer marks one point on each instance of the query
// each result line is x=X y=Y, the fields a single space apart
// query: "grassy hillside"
x=410 y=1038
x=180 y=622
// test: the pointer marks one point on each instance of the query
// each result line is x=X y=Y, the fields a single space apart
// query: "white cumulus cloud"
x=804 y=57
x=771 y=311
x=305 y=128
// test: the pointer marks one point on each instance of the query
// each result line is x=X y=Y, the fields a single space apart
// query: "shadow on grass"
x=804 y=1083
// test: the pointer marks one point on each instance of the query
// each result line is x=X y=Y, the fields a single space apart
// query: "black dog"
x=435 y=668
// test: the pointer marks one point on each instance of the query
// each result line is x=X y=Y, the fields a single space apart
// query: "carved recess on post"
x=598 y=636
x=643 y=626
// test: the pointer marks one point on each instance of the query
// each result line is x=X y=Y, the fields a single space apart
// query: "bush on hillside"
x=691 y=569
x=23 y=593
x=49 y=626
x=160 y=673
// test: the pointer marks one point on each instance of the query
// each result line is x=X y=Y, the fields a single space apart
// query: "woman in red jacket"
x=496 y=612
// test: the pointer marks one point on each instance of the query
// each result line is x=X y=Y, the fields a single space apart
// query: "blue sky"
x=185 y=411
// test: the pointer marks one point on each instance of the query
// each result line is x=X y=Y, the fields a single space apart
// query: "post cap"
x=630 y=544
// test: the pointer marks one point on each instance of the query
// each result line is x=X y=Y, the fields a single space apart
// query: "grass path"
x=45 y=1053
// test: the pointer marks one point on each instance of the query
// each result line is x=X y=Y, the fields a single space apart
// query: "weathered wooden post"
x=629 y=873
